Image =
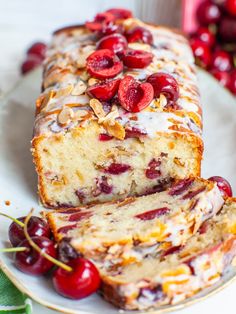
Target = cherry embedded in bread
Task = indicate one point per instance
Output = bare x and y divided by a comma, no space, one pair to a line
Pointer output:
79,283
120,13
36,227
137,58
208,13
38,49
104,64
117,168
100,20
30,63
165,84
201,53
103,137
32,262
134,96
222,76
134,133
139,34
152,214
221,60
153,170
116,42
206,36
104,91
223,185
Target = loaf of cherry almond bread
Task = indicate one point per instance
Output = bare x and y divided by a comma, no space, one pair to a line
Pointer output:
124,232
175,272
118,116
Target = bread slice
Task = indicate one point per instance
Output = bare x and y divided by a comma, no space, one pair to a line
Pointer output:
179,272
127,231
98,153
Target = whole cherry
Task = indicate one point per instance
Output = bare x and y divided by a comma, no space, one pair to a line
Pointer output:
79,283
136,58
30,63
120,13
36,227
32,262
201,52
115,42
139,34
164,83
223,185
230,6
206,36
221,60
38,49
208,13
222,76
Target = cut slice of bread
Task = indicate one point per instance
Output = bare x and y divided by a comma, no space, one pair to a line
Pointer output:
179,272
127,231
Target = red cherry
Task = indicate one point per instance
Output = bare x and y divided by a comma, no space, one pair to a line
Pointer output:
223,185
100,20
153,214
79,283
208,13
206,36
120,13
230,6
232,83
139,34
104,64
221,60
36,227
227,29
38,49
222,77
103,137
153,171
116,169
30,63
134,96
137,58
32,262
166,84
104,91
201,53
116,42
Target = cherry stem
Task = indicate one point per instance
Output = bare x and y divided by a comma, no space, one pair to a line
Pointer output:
13,249
39,250
12,218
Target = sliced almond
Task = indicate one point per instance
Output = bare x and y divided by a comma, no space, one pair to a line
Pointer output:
80,115
84,76
65,116
79,89
162,100
97,107
111,116
64,91
92,81
47,98
116,129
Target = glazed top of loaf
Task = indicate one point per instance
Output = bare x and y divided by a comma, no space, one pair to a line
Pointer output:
64,104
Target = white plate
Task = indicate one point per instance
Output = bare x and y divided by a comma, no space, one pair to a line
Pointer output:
18,179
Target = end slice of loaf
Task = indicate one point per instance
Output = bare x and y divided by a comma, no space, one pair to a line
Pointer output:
127,231
179,272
